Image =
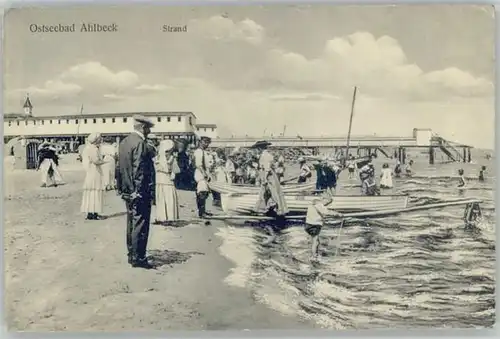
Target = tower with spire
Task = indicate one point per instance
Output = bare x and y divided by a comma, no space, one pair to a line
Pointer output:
28,107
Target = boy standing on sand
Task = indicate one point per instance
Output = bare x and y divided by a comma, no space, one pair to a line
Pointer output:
316,213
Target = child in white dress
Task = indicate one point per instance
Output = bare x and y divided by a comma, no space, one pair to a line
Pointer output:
386,177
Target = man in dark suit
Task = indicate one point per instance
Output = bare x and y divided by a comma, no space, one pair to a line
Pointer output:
135,183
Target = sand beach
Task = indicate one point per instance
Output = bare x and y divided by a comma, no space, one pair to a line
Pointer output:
67,274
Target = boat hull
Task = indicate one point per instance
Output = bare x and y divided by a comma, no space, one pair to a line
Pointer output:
223,187
298,204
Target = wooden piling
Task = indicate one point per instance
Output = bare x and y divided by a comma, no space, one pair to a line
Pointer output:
465,154
431,155
469,159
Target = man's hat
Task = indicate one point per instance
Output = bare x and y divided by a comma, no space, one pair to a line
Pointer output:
205,138
261,144
139,119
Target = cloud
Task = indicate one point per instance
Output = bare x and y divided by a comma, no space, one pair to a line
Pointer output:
240,55
53,90
224,29
90,81
378,66
236,55
303,97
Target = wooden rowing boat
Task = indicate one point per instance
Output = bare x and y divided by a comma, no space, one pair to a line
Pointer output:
235,203
223,187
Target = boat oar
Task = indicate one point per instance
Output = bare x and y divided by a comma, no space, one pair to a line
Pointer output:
338,237
252,217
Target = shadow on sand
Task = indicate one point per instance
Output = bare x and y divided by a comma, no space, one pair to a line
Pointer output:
175,224
159,258
116,215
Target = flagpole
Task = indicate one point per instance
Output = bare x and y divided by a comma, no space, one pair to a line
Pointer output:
79,122
350,124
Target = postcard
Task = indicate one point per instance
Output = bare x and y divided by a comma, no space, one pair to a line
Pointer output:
249,167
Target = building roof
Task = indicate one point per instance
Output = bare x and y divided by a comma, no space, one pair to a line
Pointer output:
10,116
206,125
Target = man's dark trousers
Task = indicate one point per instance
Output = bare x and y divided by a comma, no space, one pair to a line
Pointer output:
138,218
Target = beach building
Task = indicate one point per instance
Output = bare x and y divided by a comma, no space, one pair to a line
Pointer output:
207,130
76,127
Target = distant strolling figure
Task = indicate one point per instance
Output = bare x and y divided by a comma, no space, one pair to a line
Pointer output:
201,176
408,169
481,174
326,176
305,171
167,206
109,153
230,170
397,169
48,165
368,184
184,179
280,168
239,175
462,183
315,218
253,173
271,197
351,167
220,172
93,185
386,177
331,172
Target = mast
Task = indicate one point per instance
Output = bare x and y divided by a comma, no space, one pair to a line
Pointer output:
79,122
350,123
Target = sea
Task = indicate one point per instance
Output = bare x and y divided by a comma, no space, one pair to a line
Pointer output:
414,270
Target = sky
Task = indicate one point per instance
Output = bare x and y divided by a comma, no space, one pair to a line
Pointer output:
265,70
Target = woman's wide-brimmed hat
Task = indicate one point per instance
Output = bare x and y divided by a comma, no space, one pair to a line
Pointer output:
94,137
261,144
165,146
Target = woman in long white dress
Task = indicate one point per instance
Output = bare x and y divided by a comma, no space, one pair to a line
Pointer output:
93,188
167,206
108,152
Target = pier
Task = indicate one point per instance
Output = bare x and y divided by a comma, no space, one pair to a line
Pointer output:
390,146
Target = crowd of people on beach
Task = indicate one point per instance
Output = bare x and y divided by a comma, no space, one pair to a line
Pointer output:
146,170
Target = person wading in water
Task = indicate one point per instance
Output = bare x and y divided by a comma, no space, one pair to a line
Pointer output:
315,218
271,201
